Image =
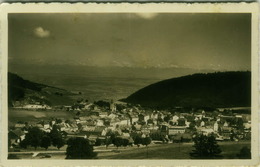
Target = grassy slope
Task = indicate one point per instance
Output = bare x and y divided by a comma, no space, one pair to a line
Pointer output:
20,89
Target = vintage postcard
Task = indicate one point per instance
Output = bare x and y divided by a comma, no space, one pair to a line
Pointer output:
128,84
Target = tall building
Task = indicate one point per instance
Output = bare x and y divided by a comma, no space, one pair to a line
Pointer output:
112,106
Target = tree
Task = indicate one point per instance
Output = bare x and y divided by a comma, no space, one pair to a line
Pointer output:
79,148
167,118
245,153
58,142
125,142
102,103
205,147
67,121
108,141
33,137
98,142
192,126
45,142
138,141
146,141
118,142
9,142
240,124
58,121
181,122
78,113
56,137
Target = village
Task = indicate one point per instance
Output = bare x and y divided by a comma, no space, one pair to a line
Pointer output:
97,121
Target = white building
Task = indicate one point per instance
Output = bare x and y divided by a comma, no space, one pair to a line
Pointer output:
215,127
202,123
175,119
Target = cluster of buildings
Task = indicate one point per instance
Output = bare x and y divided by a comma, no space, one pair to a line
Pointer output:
98,122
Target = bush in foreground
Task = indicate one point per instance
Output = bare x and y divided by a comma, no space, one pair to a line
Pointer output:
205,147
79,148
245,153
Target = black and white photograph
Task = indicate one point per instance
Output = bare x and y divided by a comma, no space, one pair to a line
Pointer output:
130,85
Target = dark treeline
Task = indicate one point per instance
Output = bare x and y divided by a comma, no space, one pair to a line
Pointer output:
212,90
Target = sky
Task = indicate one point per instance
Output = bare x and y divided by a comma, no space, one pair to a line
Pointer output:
158,40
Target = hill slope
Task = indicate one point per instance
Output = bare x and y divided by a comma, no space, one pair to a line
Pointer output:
27,92
222,89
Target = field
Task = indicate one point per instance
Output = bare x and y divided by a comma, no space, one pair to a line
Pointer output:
154,151
15,115
172,151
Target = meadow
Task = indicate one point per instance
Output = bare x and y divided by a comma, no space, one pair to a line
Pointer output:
176,151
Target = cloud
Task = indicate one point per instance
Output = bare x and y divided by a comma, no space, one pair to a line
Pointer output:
41,33
147,15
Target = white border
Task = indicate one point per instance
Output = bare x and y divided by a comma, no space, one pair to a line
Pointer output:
125,8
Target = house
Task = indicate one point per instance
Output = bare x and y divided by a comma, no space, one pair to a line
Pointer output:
177,138
172,130
16,136
137,127
63,127
181,122
103,114
46,126
154,115
36,106
226,124
100,122
226,132
198,116
247,125
90,122
140,117
147,117
175,120
125,122
126,134
186,137
88,128
206,119
150,122
112,116
94,130
134,119
39,126
19,125
53,122
182,137
92,137
202,123
115,121
145,131
84,118
205,130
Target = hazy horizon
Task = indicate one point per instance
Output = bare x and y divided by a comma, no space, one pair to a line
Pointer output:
100,83
112,55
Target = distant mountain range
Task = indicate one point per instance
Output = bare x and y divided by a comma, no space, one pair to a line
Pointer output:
21,92
220,89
